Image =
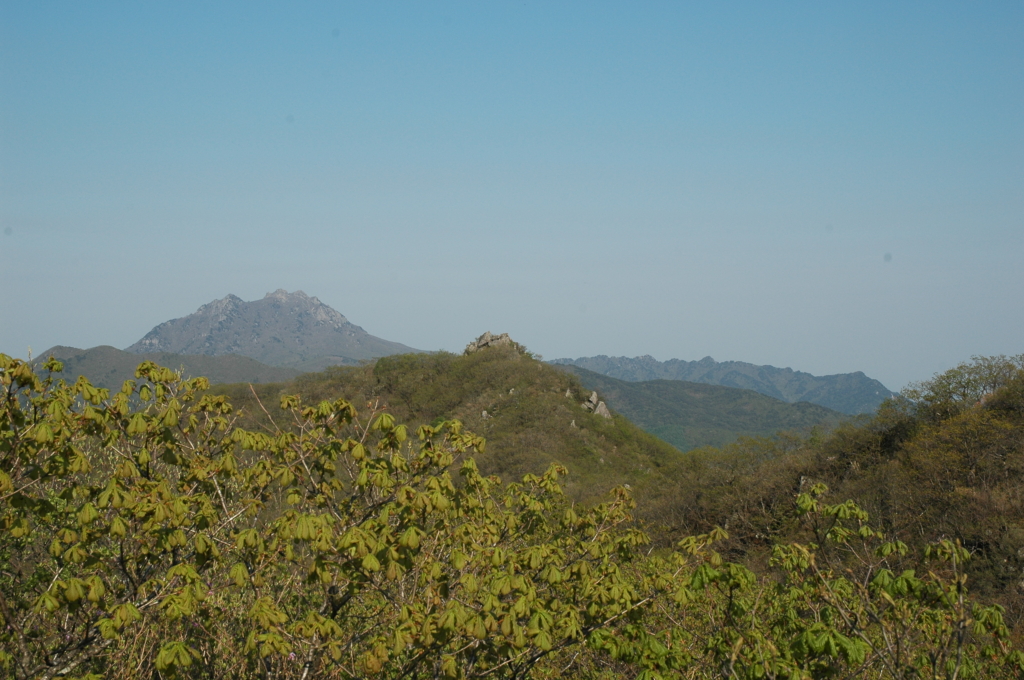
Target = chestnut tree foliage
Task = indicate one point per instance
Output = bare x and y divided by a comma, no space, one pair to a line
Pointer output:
145,533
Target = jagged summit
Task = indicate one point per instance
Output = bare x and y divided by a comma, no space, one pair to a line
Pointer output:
281,329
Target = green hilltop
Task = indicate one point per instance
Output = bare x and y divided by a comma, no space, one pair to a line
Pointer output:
533,414
530,413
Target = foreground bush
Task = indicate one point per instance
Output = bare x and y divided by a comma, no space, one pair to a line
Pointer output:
145,534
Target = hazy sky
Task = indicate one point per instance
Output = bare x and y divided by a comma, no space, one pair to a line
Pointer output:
827,186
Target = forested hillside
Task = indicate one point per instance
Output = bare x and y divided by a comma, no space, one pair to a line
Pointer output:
530,414
945,460
746,486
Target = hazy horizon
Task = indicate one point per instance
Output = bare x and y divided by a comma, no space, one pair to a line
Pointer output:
827,188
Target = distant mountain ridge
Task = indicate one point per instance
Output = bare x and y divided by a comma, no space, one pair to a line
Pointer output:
109,367
850,393
282,329
689,415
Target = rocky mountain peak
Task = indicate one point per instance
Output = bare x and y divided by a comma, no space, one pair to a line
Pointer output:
283,295
300,303
281,329
223,306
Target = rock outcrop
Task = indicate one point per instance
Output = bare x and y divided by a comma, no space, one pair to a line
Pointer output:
489,340
596,406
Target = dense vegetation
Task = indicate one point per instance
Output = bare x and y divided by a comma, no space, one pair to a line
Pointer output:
945,460
942,461
148,533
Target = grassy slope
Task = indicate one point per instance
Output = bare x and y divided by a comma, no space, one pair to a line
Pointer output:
109,367
690,415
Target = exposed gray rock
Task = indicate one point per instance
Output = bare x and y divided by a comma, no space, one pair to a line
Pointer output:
595,405
489,340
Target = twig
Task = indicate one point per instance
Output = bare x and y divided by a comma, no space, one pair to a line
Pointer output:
270,417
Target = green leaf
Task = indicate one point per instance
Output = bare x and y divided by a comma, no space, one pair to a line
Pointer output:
239,574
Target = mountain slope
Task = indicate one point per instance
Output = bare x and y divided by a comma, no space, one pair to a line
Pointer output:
282,329
850,393
109,367
689,415
518,403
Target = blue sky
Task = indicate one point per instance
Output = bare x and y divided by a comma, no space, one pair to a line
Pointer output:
822,186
